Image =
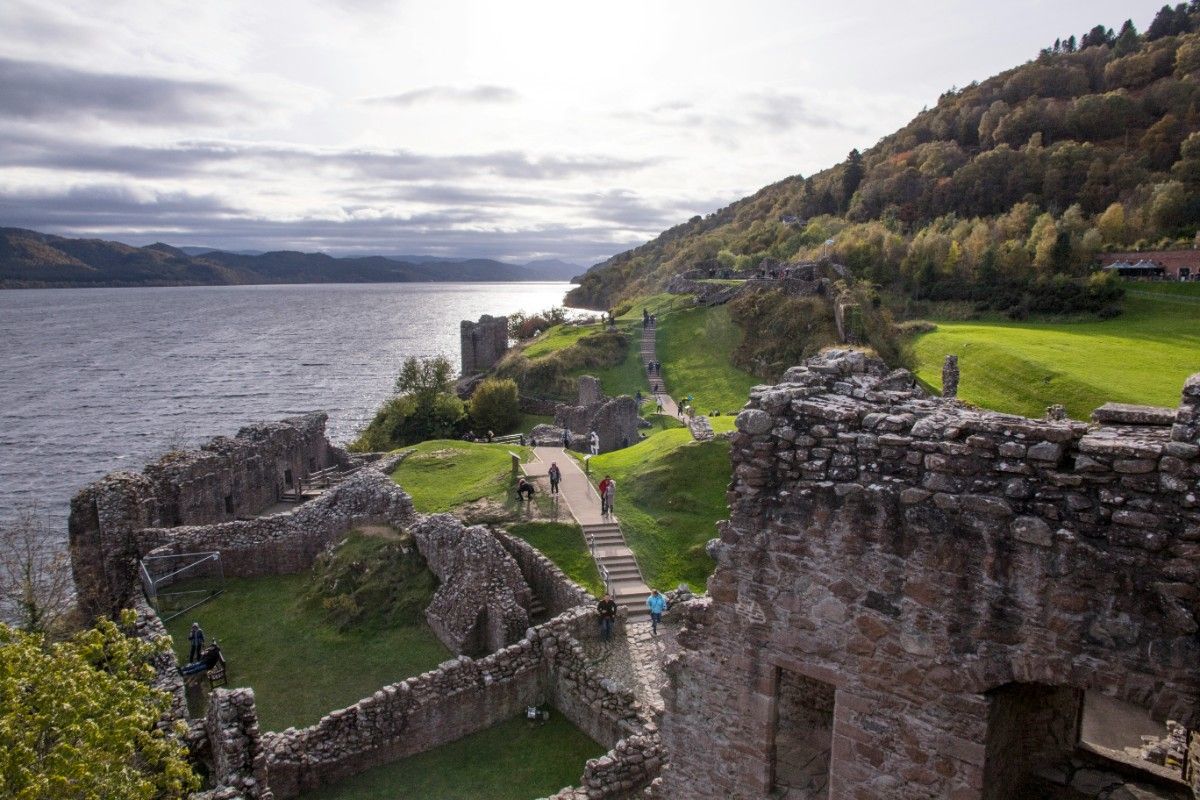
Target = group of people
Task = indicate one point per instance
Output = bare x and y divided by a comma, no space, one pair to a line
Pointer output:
608,494
656,604
648,320
200,658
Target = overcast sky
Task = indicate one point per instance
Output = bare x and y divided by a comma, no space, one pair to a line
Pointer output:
510,129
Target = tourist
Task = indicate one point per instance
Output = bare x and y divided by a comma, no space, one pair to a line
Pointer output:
608,494
566,439
594,443
638,398
657,604
658,403
196,638
205,662
490,436
608,614
555,476
524,490
603,490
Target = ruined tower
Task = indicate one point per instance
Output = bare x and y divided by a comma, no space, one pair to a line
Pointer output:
483,343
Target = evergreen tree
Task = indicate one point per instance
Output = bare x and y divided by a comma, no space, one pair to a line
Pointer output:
851,177
1127,39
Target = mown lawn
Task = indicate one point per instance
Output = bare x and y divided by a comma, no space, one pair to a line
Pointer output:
694,347
443,474
1142,356
670,494
508,761
558,337
564,545
299,665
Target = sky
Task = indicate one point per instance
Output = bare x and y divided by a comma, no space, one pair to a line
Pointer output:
516,130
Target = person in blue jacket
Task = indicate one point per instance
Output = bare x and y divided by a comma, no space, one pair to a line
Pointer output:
657,605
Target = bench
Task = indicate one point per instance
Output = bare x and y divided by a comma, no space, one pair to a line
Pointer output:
509,438
218,675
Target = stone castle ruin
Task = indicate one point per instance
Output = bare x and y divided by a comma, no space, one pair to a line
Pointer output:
488,582
483,344
914,598
615,420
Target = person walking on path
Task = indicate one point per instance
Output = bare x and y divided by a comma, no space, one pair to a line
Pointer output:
196,638
566,439
608,615
608,489
657,604
608,493
555,475
594,443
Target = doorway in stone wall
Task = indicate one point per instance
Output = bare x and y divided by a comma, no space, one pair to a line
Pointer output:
803,737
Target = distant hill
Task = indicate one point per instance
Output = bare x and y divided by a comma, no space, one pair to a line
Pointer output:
1002,194
29,259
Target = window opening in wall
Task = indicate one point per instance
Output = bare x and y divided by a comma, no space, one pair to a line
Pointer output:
803,737
228,504
287,477
312,465
1125,733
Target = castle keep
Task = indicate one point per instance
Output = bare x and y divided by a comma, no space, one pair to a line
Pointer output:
912,597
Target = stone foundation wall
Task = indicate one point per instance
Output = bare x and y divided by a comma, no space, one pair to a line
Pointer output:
225,479
239,760
917,555
460,697
615,421
558,593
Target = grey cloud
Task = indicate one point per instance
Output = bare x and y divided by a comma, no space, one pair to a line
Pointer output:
39,90
25,149
447,94
778,111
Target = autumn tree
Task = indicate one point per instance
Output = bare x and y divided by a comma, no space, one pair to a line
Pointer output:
35,574
80,718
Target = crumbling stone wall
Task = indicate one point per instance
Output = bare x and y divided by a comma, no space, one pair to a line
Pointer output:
614,420
458,698
226,479
484,343
917,556
557,592
239,758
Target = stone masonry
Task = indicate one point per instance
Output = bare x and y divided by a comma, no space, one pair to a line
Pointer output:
615,420
483,343
953,579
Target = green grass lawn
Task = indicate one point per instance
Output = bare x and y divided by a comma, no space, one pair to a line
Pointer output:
558,337
564,545
695,347
670,493
300,666
530,421
443,473
508,761
627,377
1142,356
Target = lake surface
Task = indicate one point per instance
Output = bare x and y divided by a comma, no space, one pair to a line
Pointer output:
96,380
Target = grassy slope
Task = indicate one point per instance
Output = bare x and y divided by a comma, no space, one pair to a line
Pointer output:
670,493
695,347
299,666
1142,356
558,337
564,545
509,761
443,473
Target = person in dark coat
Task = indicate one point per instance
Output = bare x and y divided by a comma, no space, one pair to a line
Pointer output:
555,475
607,609
196,639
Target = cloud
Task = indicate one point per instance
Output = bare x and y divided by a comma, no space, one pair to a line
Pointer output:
471,95
778,112
38,90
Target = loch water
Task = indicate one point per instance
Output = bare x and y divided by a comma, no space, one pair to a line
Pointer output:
96,380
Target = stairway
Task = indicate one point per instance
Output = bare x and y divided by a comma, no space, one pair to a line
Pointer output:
616,560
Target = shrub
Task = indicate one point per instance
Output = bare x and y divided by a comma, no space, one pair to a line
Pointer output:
495,406
406,420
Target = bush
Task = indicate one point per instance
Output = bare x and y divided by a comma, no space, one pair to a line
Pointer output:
406,420
495,406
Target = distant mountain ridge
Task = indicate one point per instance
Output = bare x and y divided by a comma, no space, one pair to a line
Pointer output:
29,259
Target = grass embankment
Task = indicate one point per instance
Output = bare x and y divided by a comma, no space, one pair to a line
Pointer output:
564,545
670,493
443,474
300,665
1142,356
509,761
695,347
558,337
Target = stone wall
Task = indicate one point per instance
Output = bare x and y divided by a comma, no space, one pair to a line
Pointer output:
614,420
926,560
458,698
226,479
557,592
239,758
484,343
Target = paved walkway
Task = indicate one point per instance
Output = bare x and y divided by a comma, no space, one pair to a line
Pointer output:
657,389
636,659
603,534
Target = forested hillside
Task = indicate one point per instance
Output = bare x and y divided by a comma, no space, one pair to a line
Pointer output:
1003,193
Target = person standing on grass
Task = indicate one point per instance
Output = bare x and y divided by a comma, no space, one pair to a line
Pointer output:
196,638
594,442
608,615
609,495
657,604
555,476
